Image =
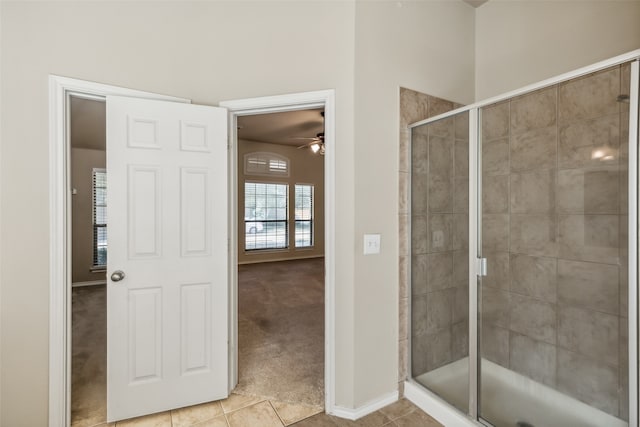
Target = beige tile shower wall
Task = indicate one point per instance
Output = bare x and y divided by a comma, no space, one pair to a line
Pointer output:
554,232
439,202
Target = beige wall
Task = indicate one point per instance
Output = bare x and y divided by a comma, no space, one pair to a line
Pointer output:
206,51
523,42
83,161
214,51
428,47
304,168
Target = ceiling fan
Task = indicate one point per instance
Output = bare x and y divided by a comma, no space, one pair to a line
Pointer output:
316,143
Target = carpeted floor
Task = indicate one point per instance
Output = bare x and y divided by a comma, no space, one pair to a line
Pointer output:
281,339
89,356
281,331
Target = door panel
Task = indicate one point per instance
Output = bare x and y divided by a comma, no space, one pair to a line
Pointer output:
167,319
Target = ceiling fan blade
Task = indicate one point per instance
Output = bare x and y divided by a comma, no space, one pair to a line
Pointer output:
303,137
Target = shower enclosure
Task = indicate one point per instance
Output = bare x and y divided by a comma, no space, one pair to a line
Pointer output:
523,237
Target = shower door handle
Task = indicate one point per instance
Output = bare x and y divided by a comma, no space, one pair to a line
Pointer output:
481,267
117,276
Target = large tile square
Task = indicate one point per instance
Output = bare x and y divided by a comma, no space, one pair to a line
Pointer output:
594,383
589,285
238,401
534,318
185,417
589,191
591,96
495,157
534,276
495,232
291,413
495,121
534,235
495,194
590,333
534,110
162,419
589,238
534,192
534,149
532,358
586,143
261,414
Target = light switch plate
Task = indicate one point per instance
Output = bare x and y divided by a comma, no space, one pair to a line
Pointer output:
371,244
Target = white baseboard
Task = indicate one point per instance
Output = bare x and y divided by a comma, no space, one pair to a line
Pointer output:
285,258
366,409
89,283
433,405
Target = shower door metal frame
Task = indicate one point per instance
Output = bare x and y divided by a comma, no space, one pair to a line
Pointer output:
475,170
632,363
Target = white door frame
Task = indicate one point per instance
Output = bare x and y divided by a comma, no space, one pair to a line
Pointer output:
60,88
273,104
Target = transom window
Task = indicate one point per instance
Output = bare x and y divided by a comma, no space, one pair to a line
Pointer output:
267,164
265,216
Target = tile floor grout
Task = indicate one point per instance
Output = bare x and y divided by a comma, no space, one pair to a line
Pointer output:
402,413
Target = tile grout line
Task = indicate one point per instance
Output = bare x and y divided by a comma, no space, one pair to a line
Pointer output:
276,412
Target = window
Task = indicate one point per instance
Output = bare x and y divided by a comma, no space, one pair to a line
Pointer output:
304,215
267,164
265,216
99,217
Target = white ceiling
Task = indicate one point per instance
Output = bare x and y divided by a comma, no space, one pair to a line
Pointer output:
286,128
88,124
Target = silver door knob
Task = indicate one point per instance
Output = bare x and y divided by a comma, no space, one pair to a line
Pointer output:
117,275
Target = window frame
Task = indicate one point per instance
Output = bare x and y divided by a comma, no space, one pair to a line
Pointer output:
95,266
311,220
286,219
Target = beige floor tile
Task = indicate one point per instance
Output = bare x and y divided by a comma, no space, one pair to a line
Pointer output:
95,420
191,415
320,420
220,421
261,414
162,419
291,413
416,419
398,409
238,401
376,419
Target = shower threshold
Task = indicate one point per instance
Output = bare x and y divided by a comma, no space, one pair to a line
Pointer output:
510,399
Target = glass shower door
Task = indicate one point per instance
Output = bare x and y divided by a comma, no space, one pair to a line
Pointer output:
440,257
552,310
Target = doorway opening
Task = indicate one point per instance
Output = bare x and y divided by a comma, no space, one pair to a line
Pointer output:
87,139
280,206
60,350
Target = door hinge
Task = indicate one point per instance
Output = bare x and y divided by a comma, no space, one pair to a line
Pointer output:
481,267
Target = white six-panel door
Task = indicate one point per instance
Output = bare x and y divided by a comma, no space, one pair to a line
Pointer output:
167,231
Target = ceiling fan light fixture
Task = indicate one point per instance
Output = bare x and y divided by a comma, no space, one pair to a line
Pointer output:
315,147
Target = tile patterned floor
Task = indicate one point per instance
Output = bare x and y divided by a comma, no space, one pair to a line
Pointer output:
246,411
